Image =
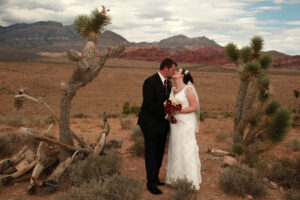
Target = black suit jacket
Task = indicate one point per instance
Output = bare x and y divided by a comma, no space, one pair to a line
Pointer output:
152,115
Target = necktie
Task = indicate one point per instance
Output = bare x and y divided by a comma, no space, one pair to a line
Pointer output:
165,84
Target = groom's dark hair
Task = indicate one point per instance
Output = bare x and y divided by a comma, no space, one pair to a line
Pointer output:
187,76
167,62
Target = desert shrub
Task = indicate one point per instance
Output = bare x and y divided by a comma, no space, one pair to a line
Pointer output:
126,123
286,172
14,120
185,190
138,147
10,142
203,115
250,156
221,136
293,144
135,110
238,148
228,115
292,194
5,147
94,168
126,108
80,115
112,115
242,181
50,120
136,132
115,187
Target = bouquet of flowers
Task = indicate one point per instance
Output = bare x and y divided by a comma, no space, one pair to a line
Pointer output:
171,105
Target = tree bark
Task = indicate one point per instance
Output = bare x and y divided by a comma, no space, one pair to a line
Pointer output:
238,113
100,146
84,72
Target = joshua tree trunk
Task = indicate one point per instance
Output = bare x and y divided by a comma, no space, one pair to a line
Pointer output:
238,113
64,129
84,72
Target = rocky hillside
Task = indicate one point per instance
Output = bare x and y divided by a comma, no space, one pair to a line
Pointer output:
27,41
49,36
202,55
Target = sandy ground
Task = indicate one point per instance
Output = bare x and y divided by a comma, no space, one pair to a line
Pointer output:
134,166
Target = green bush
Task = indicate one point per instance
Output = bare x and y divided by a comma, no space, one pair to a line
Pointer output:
238,148
135,110
185,190
203,115
242,181
126,108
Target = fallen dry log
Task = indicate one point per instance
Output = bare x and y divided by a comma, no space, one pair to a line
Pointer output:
100,145
7,163
4,179
52,141
22,95
51,183
46,156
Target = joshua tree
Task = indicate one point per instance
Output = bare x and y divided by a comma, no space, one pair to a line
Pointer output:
257,118
87,68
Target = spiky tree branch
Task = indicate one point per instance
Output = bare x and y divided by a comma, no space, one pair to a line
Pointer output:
267,122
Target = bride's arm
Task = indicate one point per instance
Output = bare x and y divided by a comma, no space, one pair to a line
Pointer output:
192,101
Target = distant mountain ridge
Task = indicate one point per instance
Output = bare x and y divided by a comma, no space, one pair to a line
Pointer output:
28,40
49,36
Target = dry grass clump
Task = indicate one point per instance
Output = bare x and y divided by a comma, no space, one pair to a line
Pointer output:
4,146
138,146
242,181
293,194
14,120
185,190
10,142
293,144
221,136
116,188
126,123
97,168
286,173
80,115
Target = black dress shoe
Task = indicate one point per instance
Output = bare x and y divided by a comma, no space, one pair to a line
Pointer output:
159,182
153,189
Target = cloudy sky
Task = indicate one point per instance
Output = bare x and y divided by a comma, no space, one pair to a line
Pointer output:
277,21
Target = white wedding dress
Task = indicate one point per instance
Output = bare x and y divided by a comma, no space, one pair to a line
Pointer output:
183,151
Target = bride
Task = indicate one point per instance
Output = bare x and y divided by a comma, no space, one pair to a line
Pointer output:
183,152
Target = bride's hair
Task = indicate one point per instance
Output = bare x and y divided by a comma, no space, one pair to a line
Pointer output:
187,76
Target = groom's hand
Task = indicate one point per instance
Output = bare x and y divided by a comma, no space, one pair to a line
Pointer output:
168,117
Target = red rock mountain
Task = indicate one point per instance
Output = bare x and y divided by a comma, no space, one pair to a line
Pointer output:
25,41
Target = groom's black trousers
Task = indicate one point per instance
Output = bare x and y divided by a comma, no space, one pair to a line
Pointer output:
154,151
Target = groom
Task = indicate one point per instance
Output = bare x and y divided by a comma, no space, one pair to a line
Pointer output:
156,90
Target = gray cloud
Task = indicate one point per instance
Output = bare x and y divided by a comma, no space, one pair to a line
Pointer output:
224,21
